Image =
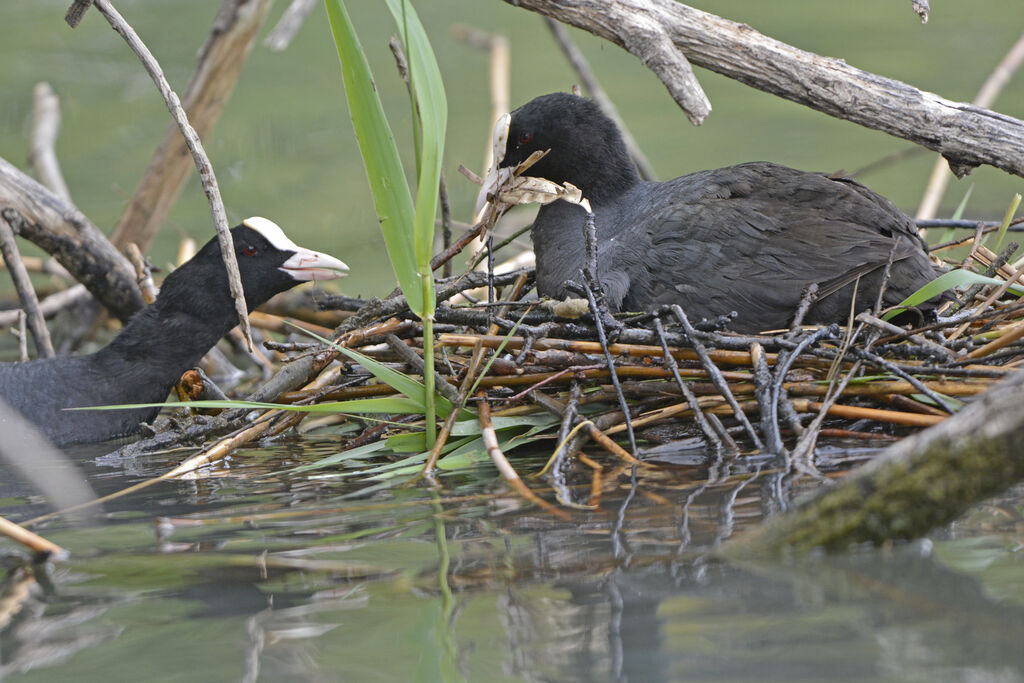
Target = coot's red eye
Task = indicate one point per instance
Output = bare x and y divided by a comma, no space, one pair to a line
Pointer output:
249,250
525,137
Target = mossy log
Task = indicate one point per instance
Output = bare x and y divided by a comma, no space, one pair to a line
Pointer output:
915,485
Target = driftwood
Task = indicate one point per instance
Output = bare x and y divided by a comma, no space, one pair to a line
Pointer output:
917,484
965,134
220,63
60,229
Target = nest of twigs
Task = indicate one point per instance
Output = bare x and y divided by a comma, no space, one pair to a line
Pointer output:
653,386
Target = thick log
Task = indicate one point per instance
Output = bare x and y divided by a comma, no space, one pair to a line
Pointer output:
60,229
966,135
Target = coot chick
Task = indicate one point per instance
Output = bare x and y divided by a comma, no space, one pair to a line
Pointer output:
193,311
747,238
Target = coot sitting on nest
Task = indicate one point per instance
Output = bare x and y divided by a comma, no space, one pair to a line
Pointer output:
747,238
193,311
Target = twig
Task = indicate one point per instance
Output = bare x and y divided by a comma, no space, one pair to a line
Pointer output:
22,283
45,128
220,62
33,542
715,374
597,312
686,391
990,89
195,145
281,36
508,473
413,360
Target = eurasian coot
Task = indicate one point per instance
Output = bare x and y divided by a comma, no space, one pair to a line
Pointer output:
141,365
747,238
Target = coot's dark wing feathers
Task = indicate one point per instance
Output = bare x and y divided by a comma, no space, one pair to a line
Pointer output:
737,242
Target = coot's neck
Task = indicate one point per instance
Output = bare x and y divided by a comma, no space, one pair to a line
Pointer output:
168,337
603,173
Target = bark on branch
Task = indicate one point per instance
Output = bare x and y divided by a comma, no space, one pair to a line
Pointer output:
965,134
63,231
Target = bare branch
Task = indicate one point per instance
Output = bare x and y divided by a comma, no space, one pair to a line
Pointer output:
75,13
45,127
965,134
195,145
990,89
220,63
60,229
281,36
22,283
921,8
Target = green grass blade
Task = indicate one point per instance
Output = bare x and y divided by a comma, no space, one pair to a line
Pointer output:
429,98
394,379
1004,226
380,156
386,404
947,281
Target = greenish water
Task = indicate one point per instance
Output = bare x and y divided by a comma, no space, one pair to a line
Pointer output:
286,577
257,576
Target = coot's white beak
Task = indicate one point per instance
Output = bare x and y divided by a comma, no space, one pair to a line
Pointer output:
495,175
305,265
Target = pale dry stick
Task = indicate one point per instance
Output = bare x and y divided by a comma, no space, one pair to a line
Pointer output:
27,294
498,50
45,127
32,541
990,299
65,298
22,335
993,85
598,94
216,452
281,36
143,273
195,145
921,9
218,66
1010,334
508,473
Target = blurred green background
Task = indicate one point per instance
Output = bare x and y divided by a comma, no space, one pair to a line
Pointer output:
284,147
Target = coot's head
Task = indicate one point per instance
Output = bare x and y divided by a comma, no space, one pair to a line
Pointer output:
586,148
268,261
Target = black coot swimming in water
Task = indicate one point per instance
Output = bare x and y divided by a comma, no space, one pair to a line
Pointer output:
193,311
747,238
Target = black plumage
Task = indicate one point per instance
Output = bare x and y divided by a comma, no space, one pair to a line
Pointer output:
193,311
747,238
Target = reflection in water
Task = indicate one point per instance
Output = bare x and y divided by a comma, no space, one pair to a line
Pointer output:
280,577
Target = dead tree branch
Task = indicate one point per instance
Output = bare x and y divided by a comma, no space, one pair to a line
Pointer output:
61,230
208,91
45,127
22,283
195,145
965,134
